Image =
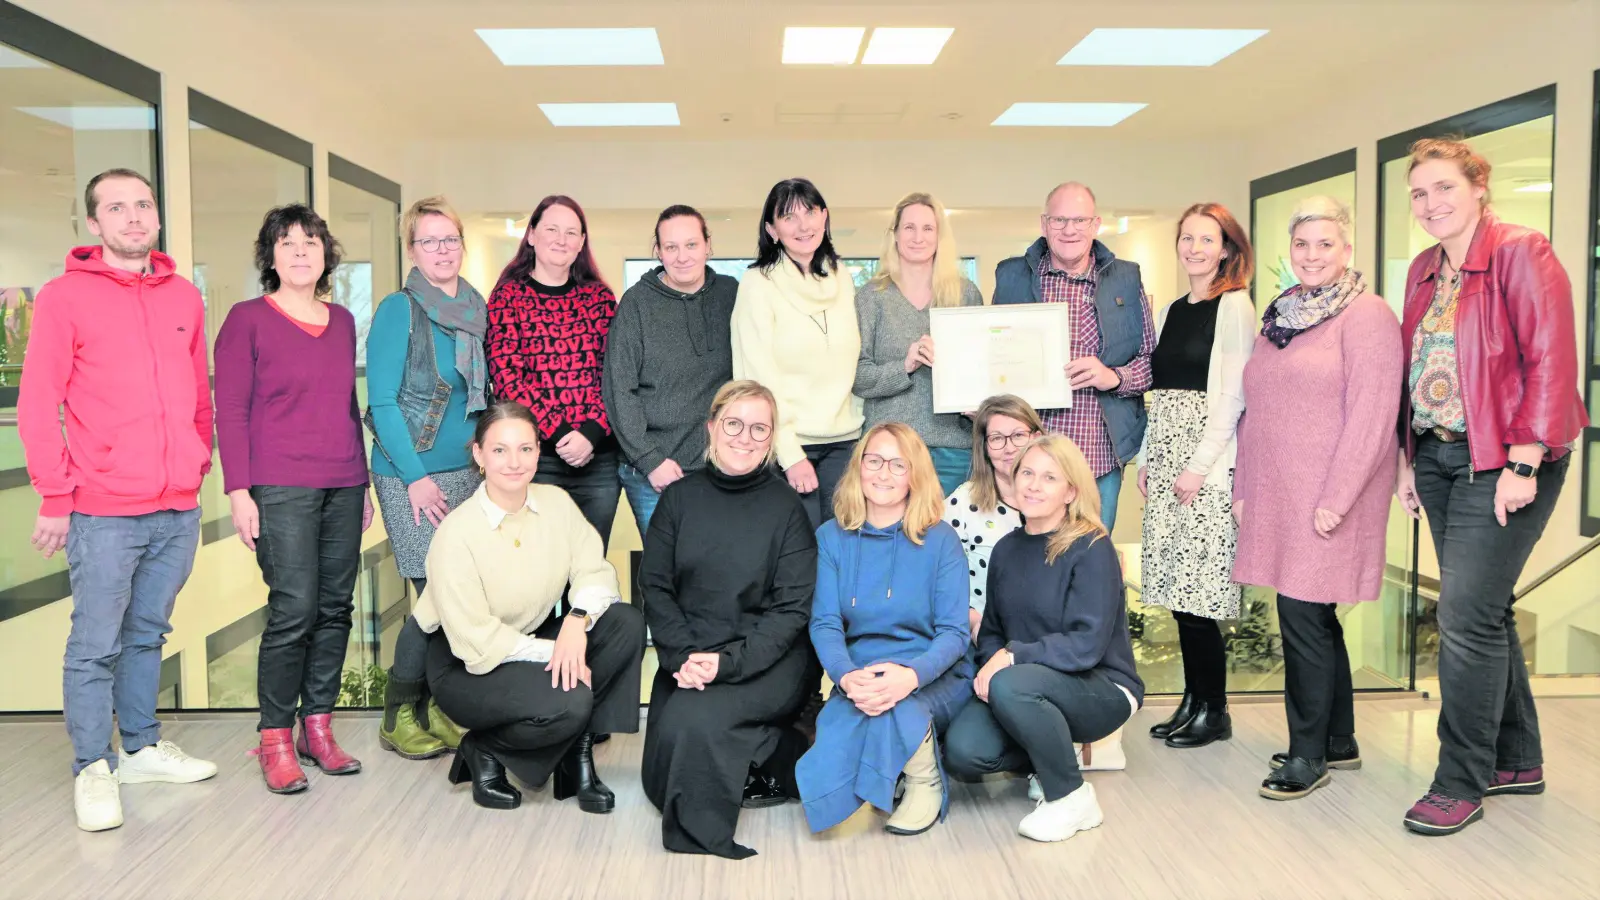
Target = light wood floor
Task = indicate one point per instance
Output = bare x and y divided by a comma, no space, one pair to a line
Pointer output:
1178,824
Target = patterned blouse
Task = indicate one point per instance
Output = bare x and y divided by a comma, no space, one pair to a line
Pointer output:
1434,377
978,531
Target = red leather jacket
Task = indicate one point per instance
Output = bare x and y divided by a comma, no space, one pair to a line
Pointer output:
1516,349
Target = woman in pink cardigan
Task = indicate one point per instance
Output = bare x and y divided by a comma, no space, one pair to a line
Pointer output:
1312,484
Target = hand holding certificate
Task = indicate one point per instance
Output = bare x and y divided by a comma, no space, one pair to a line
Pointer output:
987,350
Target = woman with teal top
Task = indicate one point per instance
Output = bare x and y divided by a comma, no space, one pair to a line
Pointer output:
426,382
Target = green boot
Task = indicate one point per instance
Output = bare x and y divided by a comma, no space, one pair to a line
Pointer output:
400,731
437,724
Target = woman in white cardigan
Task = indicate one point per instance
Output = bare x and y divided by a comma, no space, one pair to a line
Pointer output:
1186,463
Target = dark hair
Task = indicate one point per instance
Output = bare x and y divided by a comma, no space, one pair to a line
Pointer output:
91,204
1234,272
673,212
499,411
584,269
784,197
276,226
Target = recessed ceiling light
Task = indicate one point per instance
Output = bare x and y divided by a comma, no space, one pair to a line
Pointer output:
1543,187
1090,115
821,46
905,46
96,118
1158,46
606,115
11,59
574,46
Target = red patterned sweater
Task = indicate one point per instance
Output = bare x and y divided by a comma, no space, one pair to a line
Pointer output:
546,348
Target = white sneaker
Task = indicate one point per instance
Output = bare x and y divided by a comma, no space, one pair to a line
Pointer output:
162,761
1104,755
96,798
1057,820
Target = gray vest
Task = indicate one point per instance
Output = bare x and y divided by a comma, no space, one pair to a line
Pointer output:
423,394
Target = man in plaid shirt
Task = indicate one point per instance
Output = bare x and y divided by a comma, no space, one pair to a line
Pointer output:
1112,333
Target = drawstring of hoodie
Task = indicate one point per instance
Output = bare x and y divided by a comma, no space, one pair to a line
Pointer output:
855,574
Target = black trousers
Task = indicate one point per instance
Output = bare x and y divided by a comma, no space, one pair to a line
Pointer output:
1034,716
830,461
1317,693
1487,719
310,554
594,487
1205,657
514,713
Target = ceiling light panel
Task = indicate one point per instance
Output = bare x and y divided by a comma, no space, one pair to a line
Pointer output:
610,115
821,46
1159,46
574,46
96,118
1065,115
905,46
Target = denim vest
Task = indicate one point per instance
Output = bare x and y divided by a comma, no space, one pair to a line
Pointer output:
423,395
1118,305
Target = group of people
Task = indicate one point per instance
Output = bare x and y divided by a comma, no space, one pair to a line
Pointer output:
808,520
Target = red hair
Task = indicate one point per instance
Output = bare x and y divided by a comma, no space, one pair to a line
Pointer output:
1235,271
584,269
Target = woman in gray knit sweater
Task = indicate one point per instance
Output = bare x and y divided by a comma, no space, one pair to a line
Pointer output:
919,269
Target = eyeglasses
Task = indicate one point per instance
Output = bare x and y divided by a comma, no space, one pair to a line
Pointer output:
432,245
1018,440
872,462
1076,223
759,431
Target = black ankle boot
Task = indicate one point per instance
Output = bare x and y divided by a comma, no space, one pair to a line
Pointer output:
1211,722
1343,753
575,777
1298,777
1185,712
762,790
488,776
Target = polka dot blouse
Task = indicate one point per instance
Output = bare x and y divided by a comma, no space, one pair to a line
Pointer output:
979,531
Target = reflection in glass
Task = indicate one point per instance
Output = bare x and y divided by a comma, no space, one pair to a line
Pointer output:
367,227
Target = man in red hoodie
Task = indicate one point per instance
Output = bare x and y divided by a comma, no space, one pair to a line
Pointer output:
118,353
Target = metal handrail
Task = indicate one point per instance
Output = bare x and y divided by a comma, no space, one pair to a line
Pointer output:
8,420
1560,567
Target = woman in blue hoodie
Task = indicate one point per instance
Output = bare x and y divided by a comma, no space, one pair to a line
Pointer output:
889,624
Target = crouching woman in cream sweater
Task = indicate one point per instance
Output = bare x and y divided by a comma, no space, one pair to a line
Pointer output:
531,686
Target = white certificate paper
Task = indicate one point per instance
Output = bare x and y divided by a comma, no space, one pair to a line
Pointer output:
1020,349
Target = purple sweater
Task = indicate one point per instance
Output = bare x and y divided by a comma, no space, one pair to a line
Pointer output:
286,401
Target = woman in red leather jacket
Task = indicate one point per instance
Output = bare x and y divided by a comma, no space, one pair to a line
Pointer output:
1491,410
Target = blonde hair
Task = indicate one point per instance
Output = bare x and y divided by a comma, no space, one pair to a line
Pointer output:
985,492
1083,510
1473,165
732,393
1322,208
947,280
924,503
430,206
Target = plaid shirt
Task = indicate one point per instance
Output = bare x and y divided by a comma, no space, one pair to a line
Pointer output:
1083,422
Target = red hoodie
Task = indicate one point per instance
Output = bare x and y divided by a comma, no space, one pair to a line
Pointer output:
126,355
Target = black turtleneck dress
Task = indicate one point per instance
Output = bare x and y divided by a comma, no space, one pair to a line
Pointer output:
729,566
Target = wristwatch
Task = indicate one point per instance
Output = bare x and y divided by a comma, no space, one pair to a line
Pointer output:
577,613
1522,470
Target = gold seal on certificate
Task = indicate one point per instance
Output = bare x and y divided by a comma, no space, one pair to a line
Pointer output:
1020,349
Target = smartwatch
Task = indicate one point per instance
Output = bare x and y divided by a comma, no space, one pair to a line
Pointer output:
575,612
1522,470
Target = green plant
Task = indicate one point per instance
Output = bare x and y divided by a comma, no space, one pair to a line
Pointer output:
1251,644
1283,275
363,687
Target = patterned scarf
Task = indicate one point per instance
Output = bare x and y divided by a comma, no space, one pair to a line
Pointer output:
464,314
1300,308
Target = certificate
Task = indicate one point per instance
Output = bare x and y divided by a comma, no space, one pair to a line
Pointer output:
1020,349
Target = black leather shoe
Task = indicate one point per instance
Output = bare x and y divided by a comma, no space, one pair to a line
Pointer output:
1185,712
575,777
1211,722
490,788
762,790
1343,753
1297,778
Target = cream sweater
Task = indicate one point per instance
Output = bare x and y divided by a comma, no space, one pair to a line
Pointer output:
797,334
494,577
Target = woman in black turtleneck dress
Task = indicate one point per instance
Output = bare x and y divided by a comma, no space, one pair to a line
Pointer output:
729,565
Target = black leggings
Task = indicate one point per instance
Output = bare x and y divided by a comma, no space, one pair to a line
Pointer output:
1205,658
411,647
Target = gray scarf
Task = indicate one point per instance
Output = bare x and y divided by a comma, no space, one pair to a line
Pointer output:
1300,307
464,314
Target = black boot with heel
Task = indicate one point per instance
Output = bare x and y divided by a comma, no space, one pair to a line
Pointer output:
1179,718
1210,722
488,776
575,777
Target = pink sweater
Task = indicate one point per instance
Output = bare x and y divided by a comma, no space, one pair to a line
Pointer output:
1318,432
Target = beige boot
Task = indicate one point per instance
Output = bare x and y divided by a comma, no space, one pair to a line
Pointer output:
919,806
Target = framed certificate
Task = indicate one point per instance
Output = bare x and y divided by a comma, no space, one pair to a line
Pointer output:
1020,349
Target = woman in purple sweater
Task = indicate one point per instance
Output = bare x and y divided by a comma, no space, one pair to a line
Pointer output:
1312,482
296,476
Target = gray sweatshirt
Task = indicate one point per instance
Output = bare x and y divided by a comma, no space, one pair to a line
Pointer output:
666,356
889,325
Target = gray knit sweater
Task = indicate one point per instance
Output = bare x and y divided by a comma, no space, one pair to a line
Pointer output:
889,325
666,356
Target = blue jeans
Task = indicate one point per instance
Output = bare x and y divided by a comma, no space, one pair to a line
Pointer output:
1110,485
953,466
126,572
642,498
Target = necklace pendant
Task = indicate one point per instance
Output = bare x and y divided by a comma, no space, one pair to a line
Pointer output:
516,542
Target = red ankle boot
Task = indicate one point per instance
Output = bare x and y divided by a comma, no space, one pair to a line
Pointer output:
316,745
278,765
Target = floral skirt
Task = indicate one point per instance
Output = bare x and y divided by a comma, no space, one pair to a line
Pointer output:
1187,558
